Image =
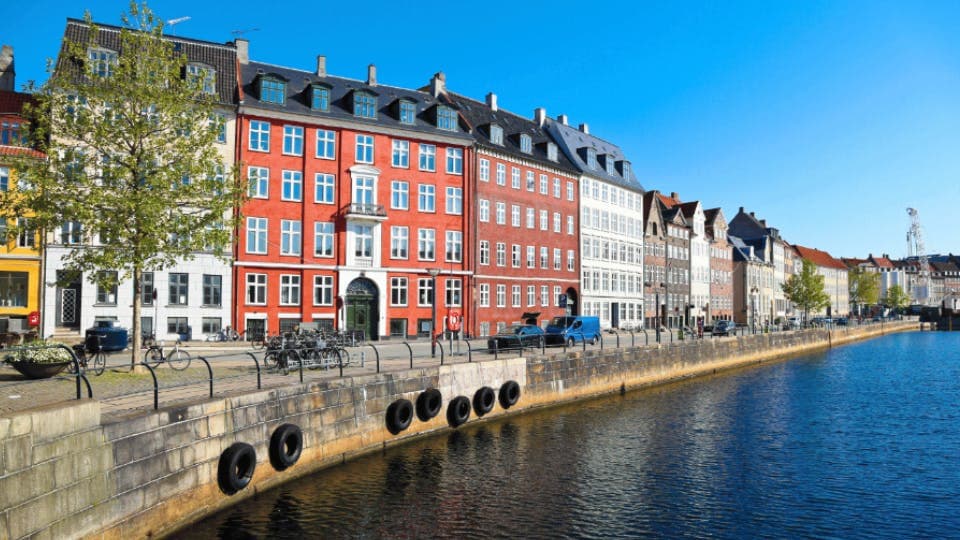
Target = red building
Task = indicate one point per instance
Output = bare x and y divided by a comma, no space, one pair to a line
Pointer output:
721,267
357,202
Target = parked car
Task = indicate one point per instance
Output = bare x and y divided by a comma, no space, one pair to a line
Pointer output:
573,329
841,321
516,336
724,328
792,323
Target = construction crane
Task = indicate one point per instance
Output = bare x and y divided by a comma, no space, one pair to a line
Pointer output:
173,22
916,249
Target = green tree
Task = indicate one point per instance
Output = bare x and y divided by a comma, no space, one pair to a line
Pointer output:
896,297
131,157
864,287
806,290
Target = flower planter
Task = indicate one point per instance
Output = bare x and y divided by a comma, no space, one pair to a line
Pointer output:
36,370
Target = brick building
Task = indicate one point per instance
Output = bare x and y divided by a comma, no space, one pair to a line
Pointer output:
721,267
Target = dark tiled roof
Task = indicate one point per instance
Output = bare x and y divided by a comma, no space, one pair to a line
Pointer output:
741,251
221,57
689,209
572,141
819,258
13,102
854,263
298,98
945,267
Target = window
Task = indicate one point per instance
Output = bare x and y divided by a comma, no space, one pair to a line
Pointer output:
515,256
256,289
364,152
531,181
426,200
484,295
259,136
455,200
426,244
557,258
526,144
364,105
323,239
178,289
177,325
543,220
4,178
484,212
212,290
292,187
531,218
544,184
531,257
363,190
27,238
556,222
591,158
496,134
501,254
146,289
515,296
454,161
544,295
323,290
323,188
428,157
399,195
453,289
293,140
401,154
556,296
501,213
446,118
454,252
102,62
570,227
544,256
408,112
363,241
70,233
484,252
289,290
289,237
319,98
425,292
531,295
399,242
326,144
569,190
501,296
514,178
515,215
107,288
556,188
272,90
484,170
398,291
551,152
257,235
501,174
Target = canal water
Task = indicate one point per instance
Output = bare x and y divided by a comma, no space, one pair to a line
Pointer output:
862,441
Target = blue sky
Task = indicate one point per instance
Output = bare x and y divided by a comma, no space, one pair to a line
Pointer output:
827,118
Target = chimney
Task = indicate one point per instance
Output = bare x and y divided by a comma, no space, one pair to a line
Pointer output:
752,215
563,119
492,101
741,209
372,75
243,50
540,116
675,195
585,128
8,74
321,65
763,222
438,84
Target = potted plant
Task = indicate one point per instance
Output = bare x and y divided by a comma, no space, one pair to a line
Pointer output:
39,360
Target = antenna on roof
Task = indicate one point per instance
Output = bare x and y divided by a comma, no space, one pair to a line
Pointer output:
239,33
173,22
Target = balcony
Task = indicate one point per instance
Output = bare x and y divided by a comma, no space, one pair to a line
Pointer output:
365,212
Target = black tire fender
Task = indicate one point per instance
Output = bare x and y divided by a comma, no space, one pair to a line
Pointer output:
399,415
458,411
236,467
509,394
484,400
429,404
286,445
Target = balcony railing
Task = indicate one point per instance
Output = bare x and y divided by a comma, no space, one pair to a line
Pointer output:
367,210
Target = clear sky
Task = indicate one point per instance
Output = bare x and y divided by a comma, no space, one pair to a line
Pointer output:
827,118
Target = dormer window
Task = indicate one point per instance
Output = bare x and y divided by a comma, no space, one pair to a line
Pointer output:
496,134
526,144
446,118
102,62
408,112
206,76
610,169
364,105
625,169
591,158
551,152
272,90
319,98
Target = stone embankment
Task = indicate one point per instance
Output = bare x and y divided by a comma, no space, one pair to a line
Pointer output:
66,473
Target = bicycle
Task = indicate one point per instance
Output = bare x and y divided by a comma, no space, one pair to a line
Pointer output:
84,353
226,334
256,338
178,359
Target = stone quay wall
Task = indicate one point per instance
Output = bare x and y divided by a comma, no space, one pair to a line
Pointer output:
65,472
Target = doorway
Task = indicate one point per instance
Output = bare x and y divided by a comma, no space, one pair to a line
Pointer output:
363,299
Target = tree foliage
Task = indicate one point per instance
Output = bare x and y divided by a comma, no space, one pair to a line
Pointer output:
864,287
806,290
896,297
131,155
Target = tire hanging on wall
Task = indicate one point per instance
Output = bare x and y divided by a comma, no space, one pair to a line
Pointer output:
399,415
458,411
429,404
509,394
236,467
484,400
286,444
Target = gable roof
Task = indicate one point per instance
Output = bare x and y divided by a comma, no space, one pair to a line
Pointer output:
13,102
18,151
880,262
571,140
819,258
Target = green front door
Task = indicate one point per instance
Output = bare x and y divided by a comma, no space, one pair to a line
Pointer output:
361,311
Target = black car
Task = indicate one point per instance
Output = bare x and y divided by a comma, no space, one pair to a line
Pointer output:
724,328
516,336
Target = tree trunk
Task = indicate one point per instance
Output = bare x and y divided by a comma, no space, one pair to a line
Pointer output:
135,327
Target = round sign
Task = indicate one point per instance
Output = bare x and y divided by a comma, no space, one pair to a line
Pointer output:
33,319
454,319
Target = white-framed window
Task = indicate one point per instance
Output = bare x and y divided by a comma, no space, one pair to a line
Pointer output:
259,179
427,198
101,62
398,291
544,295
557,258
292,186
399,242
428,157
364,105
71,232
557,190
401,154
257,235
4,177
484,211
592,158
272,90
501,213
531,181
484,252
515,177
319,98
446,118
426,244
531,295
364,190
515,295
326,144
556,296
531,218
484,292
454,161
364,152
544,257
323,191
323,290
551,152
454,200
408,112
289,290
256,289
515,215
453,290
399,195
501,295
425,292
571,260
501,254
485,173
206,76
570,227
290,237
293,140
556,222
544,184
496,134
363,241
323,239
526,144
501,174
259,136
454,246
544,218
515,255
570,190
531,257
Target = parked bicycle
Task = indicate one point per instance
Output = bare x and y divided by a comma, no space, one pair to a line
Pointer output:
224,334
178,359
90,353
256,338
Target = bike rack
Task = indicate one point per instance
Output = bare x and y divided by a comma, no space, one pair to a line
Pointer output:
256,363
209,372
410,350
79,373
469,351
440,346
156,386
377,353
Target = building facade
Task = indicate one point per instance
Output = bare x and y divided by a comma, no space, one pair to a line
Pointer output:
835,280
720,307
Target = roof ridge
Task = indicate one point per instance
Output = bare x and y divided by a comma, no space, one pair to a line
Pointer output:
117,28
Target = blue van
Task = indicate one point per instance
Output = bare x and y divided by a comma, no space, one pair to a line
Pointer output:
574,329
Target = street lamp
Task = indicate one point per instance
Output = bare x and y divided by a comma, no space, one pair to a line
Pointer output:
656,319
433,310
753,309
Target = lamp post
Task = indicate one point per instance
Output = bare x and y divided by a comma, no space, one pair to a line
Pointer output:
433,310
753,308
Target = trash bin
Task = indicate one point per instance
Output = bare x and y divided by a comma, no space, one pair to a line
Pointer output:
112,337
